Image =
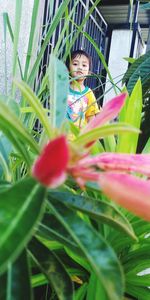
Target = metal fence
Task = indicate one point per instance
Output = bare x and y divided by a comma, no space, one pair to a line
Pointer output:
96,27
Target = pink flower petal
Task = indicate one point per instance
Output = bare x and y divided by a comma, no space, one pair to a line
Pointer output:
139,163
109,112
128,191
50,167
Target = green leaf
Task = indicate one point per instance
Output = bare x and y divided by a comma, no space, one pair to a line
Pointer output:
18,13
17,280
38,280
103,131
138,292
131,60
59,85
139,69
35,103
145,6
137,266
33,32
57,17
80,28
99,254
102,58
7,22
50,229
127,142
51,266
110,143
95,290
21,207
96,209
147,147
81,292
136,280
11,125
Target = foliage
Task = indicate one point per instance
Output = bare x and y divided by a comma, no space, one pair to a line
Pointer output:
140,69
66,243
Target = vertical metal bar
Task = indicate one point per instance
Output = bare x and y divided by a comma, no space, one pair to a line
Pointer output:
96,27
135,27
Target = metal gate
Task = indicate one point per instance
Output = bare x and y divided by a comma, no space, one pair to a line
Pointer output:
96,27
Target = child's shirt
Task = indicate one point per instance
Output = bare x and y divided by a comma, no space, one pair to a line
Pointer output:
81,106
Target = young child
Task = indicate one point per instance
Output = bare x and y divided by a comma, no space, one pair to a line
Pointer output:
82,104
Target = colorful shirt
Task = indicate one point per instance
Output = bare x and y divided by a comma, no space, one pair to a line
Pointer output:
81,106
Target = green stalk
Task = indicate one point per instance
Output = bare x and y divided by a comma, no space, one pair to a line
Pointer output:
31,37
80,28
50,32
18,12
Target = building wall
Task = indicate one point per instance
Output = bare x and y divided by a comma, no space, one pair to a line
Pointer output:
119,49
9,7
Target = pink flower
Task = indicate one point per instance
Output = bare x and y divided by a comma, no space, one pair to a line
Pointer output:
110,171
50,167
131,192
139,163
109,112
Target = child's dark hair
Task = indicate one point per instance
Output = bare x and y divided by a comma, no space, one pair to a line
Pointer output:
78,52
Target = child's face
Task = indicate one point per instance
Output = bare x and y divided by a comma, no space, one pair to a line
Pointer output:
79,66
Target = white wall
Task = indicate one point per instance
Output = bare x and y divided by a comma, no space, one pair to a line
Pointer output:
9,7
120,48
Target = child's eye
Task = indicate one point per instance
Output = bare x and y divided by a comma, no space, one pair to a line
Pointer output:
84,65
74,64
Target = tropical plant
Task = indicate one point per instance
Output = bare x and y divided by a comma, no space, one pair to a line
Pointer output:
140,69
61,237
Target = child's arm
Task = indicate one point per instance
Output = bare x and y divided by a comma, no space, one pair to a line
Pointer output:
93,108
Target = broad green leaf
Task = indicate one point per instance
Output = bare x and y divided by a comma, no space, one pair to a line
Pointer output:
58,83
53,269
139,69
127,143
17,280
50,229
96,209
21,207
103,131
99,254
